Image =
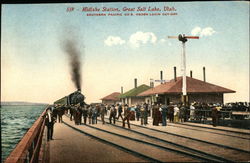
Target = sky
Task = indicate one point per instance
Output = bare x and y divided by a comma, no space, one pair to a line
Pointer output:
116,49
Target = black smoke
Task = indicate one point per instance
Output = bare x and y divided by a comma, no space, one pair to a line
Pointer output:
74,56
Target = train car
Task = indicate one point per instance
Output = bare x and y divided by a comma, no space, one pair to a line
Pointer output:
62,101
72,99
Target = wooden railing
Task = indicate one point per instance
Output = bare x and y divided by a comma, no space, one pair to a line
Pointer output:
32,147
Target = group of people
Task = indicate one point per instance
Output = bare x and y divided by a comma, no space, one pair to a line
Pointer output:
175,113
160,113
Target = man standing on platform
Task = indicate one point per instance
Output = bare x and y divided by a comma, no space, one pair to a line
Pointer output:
214,115
112,114
71,111
137,112
49,122
90,114
156,114
102,113
142,112
146,106
176,113
164,111
171,113
85,114
182,113
119,111
192,111
94,115
127,114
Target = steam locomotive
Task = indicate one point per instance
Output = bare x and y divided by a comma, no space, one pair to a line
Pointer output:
72,99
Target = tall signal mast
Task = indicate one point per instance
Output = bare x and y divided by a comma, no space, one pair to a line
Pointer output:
184,39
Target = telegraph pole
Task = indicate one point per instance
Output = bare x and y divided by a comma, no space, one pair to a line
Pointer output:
184,39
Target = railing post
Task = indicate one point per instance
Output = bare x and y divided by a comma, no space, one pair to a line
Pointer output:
27,159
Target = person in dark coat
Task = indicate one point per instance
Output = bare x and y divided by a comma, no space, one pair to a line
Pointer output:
79,114
119,112
171,113
61,111
182,113
164,111
127,114
102,113
142,112
214,115
94,115
145,105
85,114
71,111
156,115
90,114
137,112
49,122
112,114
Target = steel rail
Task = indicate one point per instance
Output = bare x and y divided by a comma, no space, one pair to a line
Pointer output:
177,145
238,132
203,141
200,156
145,157
208,131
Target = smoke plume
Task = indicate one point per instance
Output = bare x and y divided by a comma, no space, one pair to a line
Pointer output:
73,52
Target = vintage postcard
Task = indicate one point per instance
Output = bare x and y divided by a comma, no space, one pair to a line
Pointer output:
125,82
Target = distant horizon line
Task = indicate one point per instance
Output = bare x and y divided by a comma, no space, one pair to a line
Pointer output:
23,102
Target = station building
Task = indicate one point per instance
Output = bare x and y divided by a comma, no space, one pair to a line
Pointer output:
197,91
130,97
111,99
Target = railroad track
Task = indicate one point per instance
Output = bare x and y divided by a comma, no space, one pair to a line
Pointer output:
114,144
202,129
201,156
190,138
231,152
218,129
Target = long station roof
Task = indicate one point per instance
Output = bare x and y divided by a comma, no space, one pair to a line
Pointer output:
112,96
135,91
193,86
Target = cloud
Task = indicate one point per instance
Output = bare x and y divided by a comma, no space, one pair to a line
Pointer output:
139,38
208,31
114,40
162,40
196,31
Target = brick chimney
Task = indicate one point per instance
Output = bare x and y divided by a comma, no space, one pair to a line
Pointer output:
175,79
151,83
161,75
204,74
135,83
191,73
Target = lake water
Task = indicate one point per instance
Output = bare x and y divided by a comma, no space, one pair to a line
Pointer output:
15,122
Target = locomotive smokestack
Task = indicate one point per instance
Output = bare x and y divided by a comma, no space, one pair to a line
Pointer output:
135,83
204,74
191,74
175,74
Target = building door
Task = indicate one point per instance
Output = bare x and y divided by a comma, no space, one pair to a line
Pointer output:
168,101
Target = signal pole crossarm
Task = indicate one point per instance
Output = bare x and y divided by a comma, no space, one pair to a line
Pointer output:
183,39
